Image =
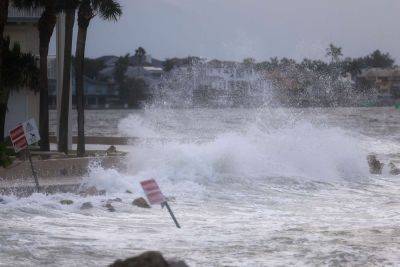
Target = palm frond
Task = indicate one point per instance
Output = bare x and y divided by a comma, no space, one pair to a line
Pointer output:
107,9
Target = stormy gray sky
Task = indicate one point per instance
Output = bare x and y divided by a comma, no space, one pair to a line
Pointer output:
235,29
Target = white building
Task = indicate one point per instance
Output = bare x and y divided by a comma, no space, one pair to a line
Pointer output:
22,28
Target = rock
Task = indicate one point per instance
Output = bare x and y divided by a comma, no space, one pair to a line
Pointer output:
66,202
375,166
141,202
109,207
147,259
111,150
128,191
114,200
86,206
393,169
2,201
177,264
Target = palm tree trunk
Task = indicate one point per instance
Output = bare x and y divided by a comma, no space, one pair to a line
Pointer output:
4,93
46,26
80,93
64,112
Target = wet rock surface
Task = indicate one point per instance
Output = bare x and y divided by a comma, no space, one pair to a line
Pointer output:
66,202
148,259
86,206
109,207
375,166
114,200
141,203
394,170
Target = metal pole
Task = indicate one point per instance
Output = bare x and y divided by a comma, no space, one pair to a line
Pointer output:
172,214
33,171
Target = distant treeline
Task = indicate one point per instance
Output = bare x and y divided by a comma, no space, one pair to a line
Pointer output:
308,82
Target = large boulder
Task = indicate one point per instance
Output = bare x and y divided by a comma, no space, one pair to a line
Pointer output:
141,203
148,259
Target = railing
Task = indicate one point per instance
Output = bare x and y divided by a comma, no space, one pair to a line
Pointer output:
23,15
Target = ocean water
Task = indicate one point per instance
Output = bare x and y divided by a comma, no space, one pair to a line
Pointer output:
251,187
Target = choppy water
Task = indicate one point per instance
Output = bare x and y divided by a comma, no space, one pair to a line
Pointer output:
268,187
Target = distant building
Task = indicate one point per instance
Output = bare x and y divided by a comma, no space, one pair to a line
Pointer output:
98,94
21,27
148,72
386,81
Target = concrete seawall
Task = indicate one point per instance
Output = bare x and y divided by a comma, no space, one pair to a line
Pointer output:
55,175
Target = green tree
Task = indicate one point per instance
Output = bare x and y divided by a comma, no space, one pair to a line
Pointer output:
18,70
169,64
249,61
136,89
121,67
88,9
377,59
334,52
93,67
140,56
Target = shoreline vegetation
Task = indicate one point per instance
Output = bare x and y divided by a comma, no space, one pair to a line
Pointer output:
136,81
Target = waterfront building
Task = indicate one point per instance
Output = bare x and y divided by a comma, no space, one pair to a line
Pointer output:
21,27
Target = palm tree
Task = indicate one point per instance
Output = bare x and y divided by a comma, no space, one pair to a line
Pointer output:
140,55
69,7
88,9
46,25
3,90
334,52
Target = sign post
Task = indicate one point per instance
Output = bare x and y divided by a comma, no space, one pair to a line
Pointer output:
22,136
154,195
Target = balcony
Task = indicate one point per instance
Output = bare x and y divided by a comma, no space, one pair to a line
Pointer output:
23,16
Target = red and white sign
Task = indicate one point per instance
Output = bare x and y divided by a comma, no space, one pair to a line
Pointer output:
24,134
153,192
18,138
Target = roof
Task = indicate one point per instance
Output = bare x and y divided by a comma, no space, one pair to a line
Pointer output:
380,72
23,15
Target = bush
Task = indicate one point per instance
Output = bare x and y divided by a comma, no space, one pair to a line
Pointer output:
6,155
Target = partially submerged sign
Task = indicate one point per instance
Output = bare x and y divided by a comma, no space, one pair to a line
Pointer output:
155,196
31,132
153,192
17,136
23,135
